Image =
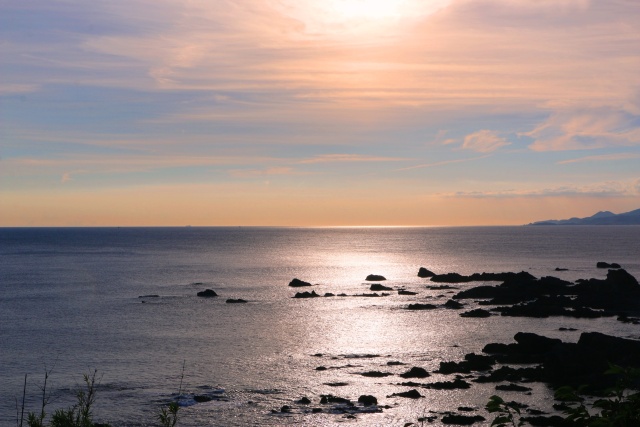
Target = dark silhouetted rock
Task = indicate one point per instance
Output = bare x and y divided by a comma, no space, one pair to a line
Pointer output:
405,292
454,368
462,420
375,278
561,269
449,385
542,421
441,287
304,401
453,304
507,373
236,301
379,287
375,374
373,295
421,307
472,362
367,400
321,368
415,372
411,394
202,398
207,293
423,272
395,363
337,384
533,343
311,294
297,283
512,387
482,277
478,312
450,278
602,264
329,294
327,398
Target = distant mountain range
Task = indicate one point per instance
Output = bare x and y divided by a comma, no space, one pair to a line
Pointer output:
601,218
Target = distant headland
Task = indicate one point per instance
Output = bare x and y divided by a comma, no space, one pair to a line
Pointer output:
601,218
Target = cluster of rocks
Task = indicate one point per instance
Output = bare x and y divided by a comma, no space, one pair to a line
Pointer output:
337,405
523,295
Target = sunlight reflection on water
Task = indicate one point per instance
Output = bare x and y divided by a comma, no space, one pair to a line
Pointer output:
86,291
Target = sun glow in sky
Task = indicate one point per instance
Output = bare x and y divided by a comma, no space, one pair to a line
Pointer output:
301,112
335,18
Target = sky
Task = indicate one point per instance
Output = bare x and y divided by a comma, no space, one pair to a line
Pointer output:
317,112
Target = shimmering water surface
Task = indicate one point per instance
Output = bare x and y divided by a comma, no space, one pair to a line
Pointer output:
70,303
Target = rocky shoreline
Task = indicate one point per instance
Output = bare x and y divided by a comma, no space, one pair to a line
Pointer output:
512,366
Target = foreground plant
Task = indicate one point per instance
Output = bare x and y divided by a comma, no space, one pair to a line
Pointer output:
78,415
168,416
620,407
508,412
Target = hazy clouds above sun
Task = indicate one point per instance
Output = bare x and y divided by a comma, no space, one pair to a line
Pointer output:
343,112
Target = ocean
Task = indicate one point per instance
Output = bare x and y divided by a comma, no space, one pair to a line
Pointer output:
123,301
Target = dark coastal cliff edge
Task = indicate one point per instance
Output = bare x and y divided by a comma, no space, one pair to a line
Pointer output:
601,218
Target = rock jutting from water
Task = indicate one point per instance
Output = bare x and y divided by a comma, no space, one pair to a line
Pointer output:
208,293
375,278
297,283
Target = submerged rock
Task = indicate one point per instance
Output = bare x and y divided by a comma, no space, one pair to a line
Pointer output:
236,301
405,292
375,278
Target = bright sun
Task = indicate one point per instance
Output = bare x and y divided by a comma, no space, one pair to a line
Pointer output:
335,17
366,9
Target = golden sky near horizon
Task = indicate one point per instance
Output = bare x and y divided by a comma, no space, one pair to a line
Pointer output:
318,113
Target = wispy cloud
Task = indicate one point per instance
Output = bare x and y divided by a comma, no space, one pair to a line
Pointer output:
443,162
484,141
602,158
251,173
586,129
603,189
348,158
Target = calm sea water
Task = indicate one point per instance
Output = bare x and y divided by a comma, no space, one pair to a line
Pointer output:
70,303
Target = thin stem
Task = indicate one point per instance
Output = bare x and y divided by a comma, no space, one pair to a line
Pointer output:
184,361
24,392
